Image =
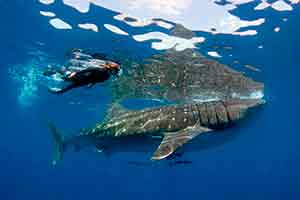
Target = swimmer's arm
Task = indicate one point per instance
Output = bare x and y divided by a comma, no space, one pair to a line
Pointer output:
93,69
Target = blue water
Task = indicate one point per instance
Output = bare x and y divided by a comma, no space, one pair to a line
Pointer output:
261,162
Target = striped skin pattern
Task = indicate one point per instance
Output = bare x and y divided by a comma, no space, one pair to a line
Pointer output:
157,121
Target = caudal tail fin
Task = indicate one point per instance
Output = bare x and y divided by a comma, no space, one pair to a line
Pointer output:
58,143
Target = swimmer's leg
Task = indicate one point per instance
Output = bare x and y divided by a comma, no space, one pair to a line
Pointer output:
55,90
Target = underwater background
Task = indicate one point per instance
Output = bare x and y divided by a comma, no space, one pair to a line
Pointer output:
260,161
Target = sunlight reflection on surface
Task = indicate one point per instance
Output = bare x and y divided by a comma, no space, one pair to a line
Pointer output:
212,16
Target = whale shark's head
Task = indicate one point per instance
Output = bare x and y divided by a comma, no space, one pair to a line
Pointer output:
247,89
239,87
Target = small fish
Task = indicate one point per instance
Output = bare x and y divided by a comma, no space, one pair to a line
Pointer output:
39,43
180,162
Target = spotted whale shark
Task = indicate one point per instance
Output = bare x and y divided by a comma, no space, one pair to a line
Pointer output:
184,77
173,125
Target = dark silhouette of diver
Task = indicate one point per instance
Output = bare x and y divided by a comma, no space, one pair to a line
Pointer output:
84,69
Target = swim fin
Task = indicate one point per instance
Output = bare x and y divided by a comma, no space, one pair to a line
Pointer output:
58,144
55,90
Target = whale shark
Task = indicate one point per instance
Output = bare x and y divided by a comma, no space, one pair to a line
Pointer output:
171,125
183,77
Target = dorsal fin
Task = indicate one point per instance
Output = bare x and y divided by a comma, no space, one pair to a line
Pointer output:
116,109
173,140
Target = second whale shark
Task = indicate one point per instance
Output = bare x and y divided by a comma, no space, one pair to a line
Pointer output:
173,125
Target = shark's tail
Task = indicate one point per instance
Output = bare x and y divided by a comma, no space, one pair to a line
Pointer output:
58,143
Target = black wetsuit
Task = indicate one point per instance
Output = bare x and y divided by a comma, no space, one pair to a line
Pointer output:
88,76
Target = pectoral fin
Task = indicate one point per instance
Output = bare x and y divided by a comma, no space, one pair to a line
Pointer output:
115,110
173,140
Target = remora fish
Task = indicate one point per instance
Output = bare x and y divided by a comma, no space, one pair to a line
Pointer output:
175,124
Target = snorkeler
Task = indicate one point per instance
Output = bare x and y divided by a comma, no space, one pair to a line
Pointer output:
84,69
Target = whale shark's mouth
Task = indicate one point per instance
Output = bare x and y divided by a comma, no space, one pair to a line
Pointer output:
253,95
257,96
